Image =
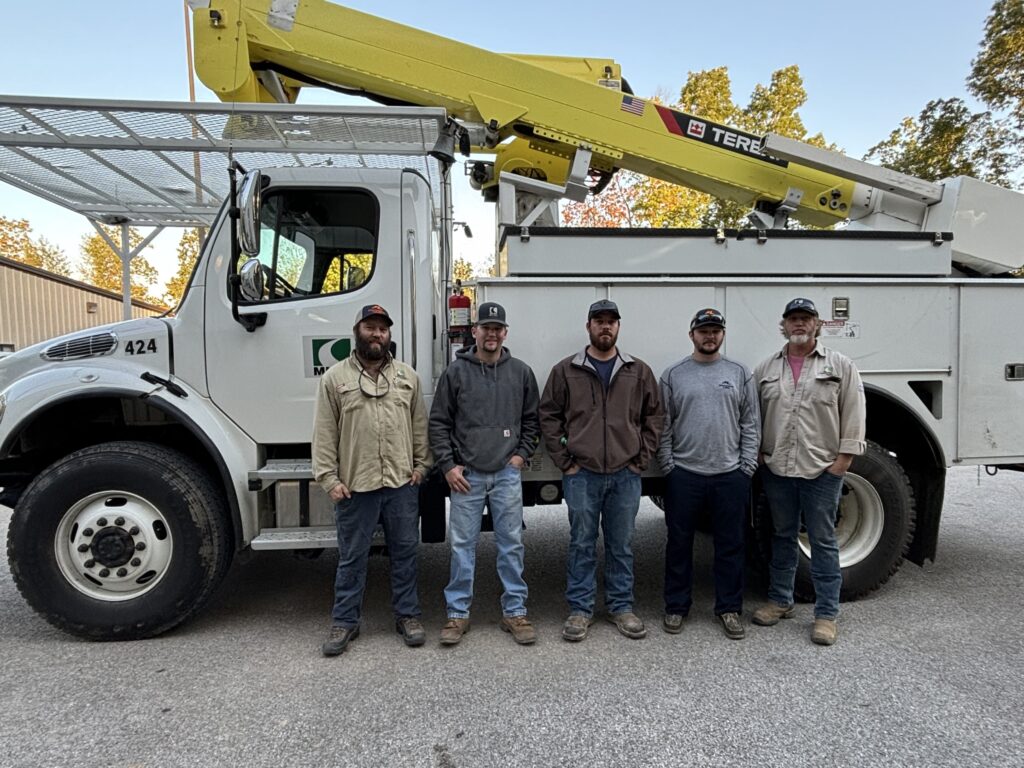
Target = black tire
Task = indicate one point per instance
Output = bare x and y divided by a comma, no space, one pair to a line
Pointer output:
107,500
876,524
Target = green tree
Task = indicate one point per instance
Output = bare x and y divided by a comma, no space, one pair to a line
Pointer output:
188,255
101,266
997,73
947,140
17,243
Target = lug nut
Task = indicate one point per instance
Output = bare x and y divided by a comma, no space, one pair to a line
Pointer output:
105,572
83,547
102,522
136,562
122,571
87,532
119,521
140,546
90,563
133,531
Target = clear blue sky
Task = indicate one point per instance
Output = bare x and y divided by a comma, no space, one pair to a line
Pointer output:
865,65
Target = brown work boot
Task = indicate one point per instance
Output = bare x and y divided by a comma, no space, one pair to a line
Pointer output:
576,627
629,624
824,631
520,628
453,630
770,613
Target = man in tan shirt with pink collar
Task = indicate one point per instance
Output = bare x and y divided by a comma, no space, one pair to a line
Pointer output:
813,424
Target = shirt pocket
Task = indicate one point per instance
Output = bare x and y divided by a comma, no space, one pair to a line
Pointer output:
349,396
770,387
404,390
826,388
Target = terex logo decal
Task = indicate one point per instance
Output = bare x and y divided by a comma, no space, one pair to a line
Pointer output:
319,353
721,136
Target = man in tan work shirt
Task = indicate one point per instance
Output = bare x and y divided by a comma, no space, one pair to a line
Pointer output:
370,452
813,424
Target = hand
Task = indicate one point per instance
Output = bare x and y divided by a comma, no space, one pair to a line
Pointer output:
456,481
760,459
572,470
339,492
517,461
841,465
416,478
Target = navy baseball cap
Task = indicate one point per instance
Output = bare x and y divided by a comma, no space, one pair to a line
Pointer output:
490,313
373,310
800,305
707,317
604,305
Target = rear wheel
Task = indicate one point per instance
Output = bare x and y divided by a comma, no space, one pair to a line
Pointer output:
119,541
874,528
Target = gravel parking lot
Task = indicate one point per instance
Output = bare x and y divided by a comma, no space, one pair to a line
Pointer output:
926,672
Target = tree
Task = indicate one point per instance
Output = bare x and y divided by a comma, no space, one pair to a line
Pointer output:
645,201
997,73
101,267
462,271
947,140
188,255
17,243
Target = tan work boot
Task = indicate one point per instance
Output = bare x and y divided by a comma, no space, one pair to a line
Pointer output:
824,631
770,613
520,628
453,630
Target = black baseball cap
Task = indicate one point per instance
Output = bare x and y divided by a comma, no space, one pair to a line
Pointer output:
604,305
707,317
800,305
490,313
373,310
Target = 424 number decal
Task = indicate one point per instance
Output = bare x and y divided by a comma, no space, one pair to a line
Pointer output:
140,346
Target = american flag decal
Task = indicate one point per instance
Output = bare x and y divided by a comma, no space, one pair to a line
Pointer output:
633,105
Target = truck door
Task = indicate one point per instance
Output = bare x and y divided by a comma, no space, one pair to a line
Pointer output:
325,252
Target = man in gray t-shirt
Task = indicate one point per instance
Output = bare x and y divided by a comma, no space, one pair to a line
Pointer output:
708,453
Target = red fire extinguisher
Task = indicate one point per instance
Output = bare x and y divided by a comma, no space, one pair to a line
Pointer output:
458,318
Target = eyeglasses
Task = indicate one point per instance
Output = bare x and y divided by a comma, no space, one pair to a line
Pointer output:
376,393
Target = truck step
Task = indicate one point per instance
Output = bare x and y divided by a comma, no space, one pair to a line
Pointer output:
313,537
280,469
318,537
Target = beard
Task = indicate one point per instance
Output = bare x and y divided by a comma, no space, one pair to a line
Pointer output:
601,342
710,346
369,349
799,338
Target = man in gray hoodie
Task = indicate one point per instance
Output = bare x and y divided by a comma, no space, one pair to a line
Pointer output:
483,427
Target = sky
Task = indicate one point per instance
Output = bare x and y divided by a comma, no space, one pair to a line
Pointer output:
865,65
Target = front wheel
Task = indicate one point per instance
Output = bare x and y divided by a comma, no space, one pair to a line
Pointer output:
121,540
874,528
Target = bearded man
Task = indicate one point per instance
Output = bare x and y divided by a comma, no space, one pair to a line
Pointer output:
370,452
813,424
601,418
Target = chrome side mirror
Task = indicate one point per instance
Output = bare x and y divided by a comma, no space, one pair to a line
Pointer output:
251,280
249,213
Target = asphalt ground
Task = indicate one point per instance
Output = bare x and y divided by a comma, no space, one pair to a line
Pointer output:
927,671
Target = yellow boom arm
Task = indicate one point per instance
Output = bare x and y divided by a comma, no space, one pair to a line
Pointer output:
258,50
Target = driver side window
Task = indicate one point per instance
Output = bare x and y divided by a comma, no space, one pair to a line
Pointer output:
316,242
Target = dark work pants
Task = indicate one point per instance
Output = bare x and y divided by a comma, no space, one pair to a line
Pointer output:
725,497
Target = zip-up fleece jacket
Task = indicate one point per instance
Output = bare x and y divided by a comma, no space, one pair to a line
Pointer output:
484,413
600,430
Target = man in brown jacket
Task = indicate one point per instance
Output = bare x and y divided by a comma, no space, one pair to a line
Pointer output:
601,418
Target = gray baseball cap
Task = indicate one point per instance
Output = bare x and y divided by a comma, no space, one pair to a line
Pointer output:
604,305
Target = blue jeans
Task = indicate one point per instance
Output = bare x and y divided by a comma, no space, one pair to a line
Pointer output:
356,518
725,498
610,502
817,502
504,489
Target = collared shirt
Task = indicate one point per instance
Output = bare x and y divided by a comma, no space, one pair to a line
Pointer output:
369,442
806,424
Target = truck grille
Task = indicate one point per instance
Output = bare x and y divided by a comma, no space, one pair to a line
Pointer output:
86,346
